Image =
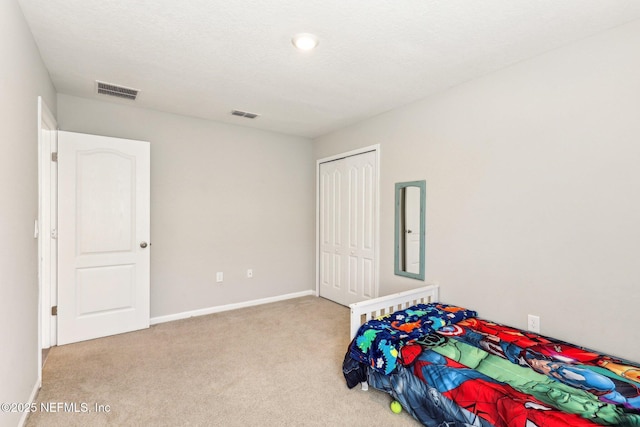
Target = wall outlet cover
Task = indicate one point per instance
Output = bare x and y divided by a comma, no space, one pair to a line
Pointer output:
533,323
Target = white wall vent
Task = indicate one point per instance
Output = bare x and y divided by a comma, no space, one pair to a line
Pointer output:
245,114
110,89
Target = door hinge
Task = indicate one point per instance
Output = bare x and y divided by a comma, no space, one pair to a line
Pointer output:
54,157
54,310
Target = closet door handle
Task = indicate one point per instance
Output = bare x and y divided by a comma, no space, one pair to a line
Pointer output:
143,245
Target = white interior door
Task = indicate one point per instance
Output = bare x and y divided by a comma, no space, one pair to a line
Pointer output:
103,236
347,228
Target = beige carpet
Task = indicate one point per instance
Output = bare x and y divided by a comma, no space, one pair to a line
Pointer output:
277,364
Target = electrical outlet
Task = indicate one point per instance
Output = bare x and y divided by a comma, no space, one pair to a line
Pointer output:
219,277
249,273
533,323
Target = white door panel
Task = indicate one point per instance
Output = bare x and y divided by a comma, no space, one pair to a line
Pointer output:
347,228
103,222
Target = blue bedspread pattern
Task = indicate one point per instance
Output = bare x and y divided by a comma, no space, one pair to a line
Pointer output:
378,342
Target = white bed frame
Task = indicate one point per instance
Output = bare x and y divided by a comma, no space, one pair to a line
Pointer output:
370,309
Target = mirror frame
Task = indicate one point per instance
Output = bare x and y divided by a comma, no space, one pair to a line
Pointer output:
397,241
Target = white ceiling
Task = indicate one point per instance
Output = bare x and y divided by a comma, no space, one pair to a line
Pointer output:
204,58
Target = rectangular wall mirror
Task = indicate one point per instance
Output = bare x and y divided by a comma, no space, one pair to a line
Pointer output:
410,229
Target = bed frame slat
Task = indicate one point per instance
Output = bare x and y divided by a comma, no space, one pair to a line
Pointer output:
370,309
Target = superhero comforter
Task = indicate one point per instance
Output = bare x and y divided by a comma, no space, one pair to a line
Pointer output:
472,372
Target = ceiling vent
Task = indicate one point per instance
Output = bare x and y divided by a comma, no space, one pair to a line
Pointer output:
244,114
118,91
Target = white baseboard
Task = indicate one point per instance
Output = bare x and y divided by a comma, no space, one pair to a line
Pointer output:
227,307
32,398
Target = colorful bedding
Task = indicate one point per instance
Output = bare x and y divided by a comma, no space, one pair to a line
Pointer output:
610,379
378,341
473,372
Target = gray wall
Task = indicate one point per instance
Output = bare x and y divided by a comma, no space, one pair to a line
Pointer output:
532,196
223,198
533,190
22,78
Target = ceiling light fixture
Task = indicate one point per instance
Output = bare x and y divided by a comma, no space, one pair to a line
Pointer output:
305,41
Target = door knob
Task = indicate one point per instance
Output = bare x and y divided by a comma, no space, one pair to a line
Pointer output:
143,245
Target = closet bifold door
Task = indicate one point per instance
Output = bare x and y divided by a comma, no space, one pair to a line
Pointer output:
347,227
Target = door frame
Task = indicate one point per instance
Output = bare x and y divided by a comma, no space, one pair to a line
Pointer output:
45,230
376,149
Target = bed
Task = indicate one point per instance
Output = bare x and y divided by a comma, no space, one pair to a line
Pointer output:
448,367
